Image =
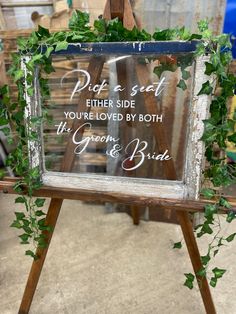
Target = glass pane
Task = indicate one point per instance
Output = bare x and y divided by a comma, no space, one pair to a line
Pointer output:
119,115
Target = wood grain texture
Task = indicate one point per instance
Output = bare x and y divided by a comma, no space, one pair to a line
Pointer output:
117,9
2,19
83,195
195,258
51,219
7,4
128,19
107,11
119,185
159,130
195,147
94,69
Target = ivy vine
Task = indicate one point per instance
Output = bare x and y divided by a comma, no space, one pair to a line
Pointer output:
219,128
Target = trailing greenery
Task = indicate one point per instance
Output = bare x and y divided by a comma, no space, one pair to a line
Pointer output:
219,128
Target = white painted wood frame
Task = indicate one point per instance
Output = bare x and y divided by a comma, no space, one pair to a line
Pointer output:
188,188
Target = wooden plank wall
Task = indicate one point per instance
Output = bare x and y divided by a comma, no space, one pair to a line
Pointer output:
17,14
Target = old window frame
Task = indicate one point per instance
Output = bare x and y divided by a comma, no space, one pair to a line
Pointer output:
189,187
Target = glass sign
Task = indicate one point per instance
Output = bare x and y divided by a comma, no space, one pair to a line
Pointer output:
131,120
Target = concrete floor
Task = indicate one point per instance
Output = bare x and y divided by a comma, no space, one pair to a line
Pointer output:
101,264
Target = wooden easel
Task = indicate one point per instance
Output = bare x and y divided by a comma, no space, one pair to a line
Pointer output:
121,9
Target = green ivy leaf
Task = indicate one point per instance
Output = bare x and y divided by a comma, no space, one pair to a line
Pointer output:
205,229
220,242
195,36
34,173
165,34
224,40
41,222
43,32
61,46
39,213
26,222
10,141
207,34
177,245
231,237
16,224
189,280
230,216
164,67
79,21
185,75
31,253
200,49
223,202
3,121
202,272
42,243
4,89
208,193
218,272
48,52
203,25
209,68
210,210
2,173
182,85
213,282
78,37
215,60
5,131
24,238
20,199
36,57
100,25
30,91
22,43
206,89
18,117
19,215
18,75
205,259
27,229
39,202
232,138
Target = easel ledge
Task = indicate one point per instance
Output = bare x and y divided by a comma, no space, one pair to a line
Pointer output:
7,187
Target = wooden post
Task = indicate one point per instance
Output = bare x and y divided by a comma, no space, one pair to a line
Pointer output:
117,9
36,268
128,19
189,237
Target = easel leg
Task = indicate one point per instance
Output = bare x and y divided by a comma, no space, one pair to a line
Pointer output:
51,219
135,214
187,229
